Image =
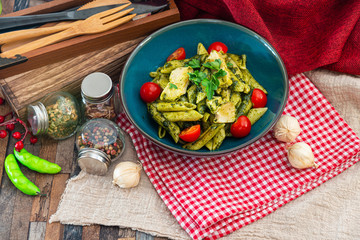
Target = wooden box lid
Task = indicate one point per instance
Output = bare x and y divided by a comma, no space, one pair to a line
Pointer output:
63,66
84,44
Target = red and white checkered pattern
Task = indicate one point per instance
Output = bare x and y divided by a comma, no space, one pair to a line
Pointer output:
213,197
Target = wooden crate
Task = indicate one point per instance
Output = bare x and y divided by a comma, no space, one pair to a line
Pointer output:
83,44
63,66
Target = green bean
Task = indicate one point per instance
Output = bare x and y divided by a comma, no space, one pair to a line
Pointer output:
18,178
36,163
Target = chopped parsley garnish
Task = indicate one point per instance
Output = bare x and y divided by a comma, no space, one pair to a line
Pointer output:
194,63
213,65
199,77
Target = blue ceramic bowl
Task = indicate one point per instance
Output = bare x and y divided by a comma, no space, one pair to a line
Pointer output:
263,62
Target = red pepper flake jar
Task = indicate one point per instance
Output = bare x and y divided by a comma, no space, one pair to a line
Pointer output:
100,100
99,142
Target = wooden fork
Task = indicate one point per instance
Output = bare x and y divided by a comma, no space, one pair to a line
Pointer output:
95,24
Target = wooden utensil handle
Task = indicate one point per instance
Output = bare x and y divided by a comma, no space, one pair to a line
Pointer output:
32,33
42,42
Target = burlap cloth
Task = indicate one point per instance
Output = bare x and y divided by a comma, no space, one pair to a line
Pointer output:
330,211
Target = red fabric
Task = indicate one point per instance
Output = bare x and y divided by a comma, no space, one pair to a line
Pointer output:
307,34
212,197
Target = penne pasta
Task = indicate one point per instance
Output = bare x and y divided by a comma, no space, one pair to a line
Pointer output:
205,137
174,106
186,103
188,116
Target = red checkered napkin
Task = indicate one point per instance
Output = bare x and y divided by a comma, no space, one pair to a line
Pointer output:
215,196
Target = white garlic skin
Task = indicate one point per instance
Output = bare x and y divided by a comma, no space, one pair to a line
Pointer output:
287,129
127,174
301,156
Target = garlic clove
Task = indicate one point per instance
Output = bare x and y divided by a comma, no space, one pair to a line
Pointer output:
127,174
301,156
287,129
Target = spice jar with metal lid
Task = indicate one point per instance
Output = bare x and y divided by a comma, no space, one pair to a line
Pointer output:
99,142
100,100
56,115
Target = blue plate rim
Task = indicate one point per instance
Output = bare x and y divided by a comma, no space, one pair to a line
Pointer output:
210,153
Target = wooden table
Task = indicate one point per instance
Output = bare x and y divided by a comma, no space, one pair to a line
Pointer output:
26,217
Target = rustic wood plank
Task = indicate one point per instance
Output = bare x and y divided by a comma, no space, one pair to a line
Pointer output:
4,109
65,154
22,209
37,231
40,207
91,232
75,170
47,7
21,203
87,43
109,233
15,210
72,232
7,203
161,238
143,236
8,6
126,233
56,230
25,88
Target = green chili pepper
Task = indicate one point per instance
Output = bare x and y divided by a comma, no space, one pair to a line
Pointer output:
35,163
18,178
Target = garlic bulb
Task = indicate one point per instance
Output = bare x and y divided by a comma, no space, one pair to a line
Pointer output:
127,174
287,129
301,156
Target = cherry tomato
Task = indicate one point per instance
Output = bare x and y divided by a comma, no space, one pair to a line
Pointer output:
178,54
190,134
258,98
218,46
241,127
149,92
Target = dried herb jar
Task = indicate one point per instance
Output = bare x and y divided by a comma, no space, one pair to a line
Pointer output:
99,142
100,100
56,115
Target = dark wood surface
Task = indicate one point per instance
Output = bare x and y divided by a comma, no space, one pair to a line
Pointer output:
86,43
27,217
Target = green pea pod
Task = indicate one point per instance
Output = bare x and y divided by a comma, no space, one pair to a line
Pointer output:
18,178
35,163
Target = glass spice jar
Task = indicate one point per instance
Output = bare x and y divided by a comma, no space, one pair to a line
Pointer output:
56,115
99,142
99,98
